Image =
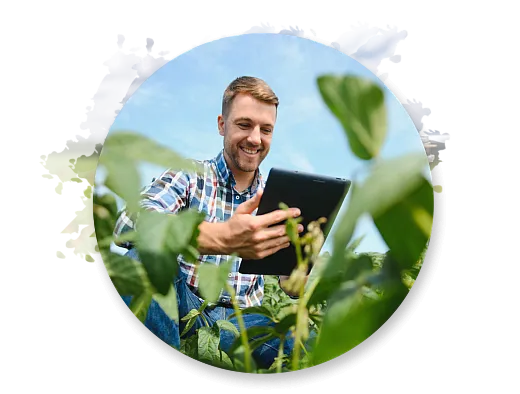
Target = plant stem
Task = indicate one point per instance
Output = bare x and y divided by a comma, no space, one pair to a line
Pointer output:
241,325
280,356
205,320
297,335
298,248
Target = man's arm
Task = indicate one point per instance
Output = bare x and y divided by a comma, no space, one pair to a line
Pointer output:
212,239
168,193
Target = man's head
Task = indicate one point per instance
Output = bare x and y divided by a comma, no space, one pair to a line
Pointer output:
247,121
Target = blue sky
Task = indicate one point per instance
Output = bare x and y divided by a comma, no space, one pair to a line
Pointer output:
179,104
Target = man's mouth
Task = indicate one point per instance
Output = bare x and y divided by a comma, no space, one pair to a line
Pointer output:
250,151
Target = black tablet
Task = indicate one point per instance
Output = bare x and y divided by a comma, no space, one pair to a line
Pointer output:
315,195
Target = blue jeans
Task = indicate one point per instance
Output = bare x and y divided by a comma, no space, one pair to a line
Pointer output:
169,331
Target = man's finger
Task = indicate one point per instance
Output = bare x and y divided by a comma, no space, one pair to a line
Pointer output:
277,216
274,242
271,251
275,232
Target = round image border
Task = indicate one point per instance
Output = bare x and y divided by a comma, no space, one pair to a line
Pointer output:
390,330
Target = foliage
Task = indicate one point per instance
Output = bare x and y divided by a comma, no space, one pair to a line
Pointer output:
348,295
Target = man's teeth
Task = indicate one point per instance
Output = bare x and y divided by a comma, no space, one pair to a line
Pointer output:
251,152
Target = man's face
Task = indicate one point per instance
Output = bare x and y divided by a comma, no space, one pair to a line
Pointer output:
247,132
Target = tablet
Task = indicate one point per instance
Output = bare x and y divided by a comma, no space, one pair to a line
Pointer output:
315,195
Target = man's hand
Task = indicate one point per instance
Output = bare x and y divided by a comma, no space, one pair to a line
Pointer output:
251,237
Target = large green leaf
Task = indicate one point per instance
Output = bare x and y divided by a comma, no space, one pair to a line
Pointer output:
352,318
161,238
127,275
257,335
406,226
352,267
208,344
212,279
140,304
123,179
136,147
105,212
168,303
228,326
359,105
390,183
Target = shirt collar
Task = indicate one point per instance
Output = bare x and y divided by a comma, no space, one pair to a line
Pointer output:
225,176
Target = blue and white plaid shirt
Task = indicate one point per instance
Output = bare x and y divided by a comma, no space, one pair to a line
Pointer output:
212,192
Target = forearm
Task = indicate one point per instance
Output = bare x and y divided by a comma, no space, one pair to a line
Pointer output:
212,239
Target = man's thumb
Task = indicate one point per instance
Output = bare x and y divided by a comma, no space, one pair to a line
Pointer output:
250,205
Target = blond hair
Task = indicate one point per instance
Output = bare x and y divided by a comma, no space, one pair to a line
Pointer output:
255,87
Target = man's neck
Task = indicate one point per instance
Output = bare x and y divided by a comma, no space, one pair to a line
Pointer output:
242,179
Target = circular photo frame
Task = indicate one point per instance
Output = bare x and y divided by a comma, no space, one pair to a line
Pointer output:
263,203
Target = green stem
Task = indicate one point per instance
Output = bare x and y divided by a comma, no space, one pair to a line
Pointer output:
303,347
280,356
205,320
298,334
241,325
298,248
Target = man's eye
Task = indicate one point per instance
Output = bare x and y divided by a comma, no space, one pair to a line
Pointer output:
243,125
267,130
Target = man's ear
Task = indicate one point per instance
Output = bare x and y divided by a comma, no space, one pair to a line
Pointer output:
220,123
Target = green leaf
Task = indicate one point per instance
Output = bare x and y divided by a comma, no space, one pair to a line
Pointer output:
212,279
105,212
168,304
406,227
360,265
359,105
330,278
239,361
285,324
228,326
124,180
355,244
189,346
161,238
208,343
191,314
254,334
257,310
225,362
188,326
390,182
140,304
127,275
135,147
352,318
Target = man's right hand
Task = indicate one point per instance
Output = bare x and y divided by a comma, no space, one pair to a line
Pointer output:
251,237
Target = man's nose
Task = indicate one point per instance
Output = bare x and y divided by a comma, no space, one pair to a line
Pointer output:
255,136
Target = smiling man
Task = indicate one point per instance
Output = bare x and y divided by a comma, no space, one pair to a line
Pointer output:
228,192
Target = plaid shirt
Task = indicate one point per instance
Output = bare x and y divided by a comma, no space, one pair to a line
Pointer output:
213,193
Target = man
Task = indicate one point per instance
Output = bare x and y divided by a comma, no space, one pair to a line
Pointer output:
229,193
